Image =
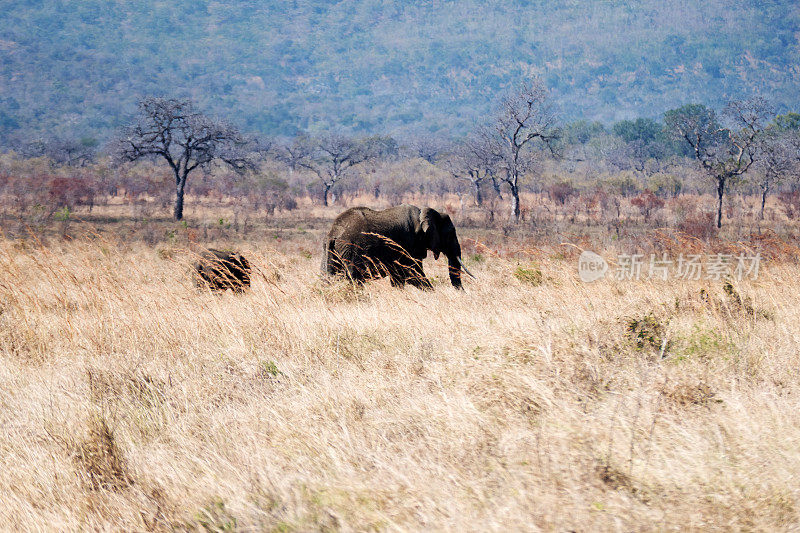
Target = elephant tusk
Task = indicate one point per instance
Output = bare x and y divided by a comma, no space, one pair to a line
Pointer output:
464,268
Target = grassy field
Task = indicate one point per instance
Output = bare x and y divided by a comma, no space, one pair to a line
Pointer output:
130,400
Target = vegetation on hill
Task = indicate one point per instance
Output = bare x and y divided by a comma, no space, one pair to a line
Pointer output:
76,69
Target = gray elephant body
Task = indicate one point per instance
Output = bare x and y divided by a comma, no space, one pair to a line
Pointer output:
366,244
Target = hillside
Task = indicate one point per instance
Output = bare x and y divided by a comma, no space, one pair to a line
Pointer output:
76,69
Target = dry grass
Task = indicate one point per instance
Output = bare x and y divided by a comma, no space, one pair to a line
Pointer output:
130,400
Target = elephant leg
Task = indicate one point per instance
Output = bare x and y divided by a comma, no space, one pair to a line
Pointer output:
346,261
327,250
352,273
355,272
382,269
395,269
415,276
333,261
420,281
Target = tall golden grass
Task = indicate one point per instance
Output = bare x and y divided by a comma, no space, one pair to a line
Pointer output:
131,400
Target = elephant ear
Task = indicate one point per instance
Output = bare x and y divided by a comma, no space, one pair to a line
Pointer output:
429,219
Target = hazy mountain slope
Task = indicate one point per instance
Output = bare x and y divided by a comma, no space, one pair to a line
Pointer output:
76,68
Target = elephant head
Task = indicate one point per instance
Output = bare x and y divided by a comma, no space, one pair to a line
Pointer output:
440,238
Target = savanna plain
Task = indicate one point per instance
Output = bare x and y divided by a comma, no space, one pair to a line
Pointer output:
132,400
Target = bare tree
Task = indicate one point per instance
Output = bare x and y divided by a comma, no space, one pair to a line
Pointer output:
333,157
776,160
171,129
427,147
525,124
724,153
62,151
633,155
793,144
472,161
296,151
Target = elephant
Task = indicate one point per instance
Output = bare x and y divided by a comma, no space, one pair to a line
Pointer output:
222,269
367,244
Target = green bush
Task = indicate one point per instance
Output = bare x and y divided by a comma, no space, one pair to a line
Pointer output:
529,275
645,331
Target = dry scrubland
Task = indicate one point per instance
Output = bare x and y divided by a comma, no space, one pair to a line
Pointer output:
130,400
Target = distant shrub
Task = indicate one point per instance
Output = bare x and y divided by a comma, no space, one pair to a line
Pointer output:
743,305
287,203
561,192
665,185
699,225
70,192
268,369
790,201
684,206
647,202
532,275
215,517
645,331
623,184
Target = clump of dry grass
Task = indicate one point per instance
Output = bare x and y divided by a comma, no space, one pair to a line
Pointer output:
99,460
688,394
131,400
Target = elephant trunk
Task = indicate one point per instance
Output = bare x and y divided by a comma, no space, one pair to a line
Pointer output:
454,267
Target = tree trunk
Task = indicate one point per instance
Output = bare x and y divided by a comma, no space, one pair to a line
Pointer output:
497,189
478,193
764,191
181,186
720,194
514,202
325,190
